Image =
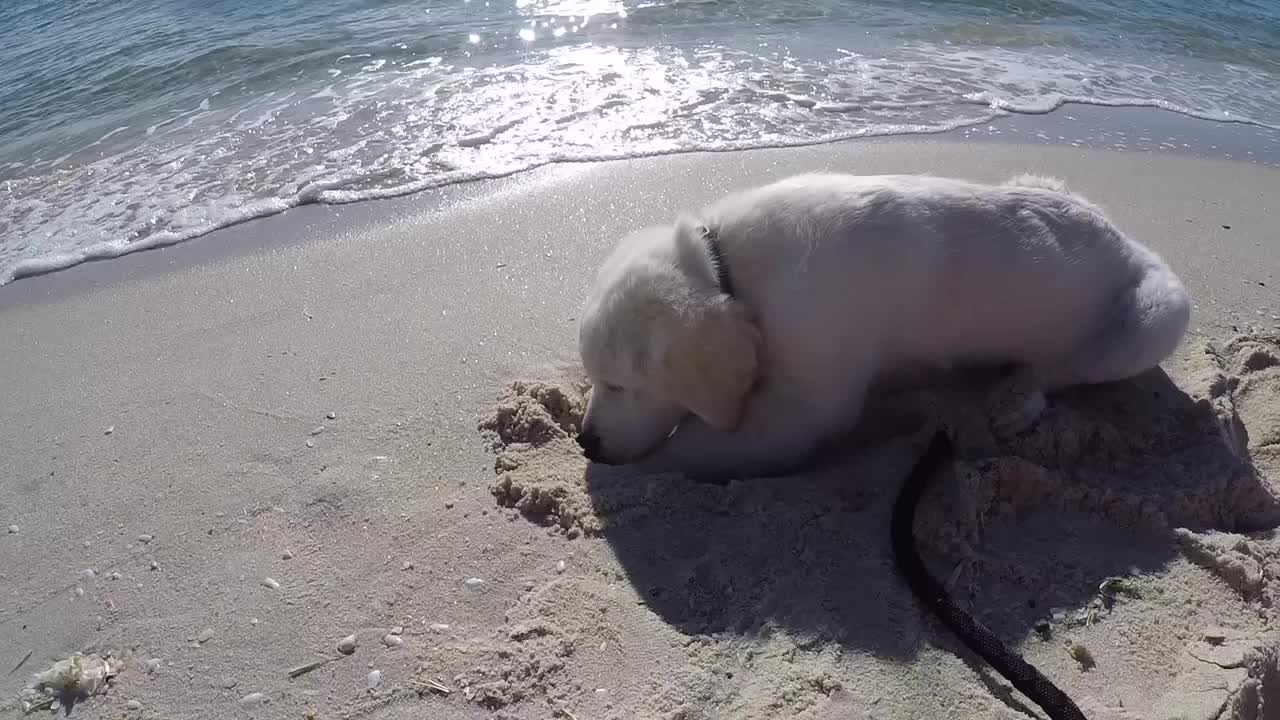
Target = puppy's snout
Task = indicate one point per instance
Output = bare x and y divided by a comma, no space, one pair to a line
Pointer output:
590,443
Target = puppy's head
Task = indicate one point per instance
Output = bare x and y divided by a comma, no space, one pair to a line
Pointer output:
659,341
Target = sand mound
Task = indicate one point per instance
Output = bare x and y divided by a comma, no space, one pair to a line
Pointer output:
1133,520
540,467
537,413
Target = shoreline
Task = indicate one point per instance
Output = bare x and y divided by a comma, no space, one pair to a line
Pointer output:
1121,129
1211,231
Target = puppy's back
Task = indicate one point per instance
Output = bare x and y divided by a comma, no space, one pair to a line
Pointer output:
932,266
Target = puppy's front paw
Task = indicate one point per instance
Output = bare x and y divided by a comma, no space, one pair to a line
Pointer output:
1015,408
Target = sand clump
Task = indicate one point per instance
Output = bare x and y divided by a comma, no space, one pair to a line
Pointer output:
540,467
1127,521
535,413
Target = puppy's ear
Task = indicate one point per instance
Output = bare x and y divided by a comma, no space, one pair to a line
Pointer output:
711,363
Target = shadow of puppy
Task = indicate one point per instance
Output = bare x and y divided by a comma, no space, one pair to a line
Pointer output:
1025,529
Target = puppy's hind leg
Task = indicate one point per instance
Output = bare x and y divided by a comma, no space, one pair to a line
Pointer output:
1017,403
1140,330
1143,327
1146,325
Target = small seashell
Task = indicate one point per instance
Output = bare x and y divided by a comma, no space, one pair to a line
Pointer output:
1214,635
271,583
392,641
347,645
305,668
205,636
375,680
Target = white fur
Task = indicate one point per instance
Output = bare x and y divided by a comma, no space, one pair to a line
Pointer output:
842,281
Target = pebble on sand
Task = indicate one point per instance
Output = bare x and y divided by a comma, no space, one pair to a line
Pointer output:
392,641
331,415
144,538
375,680
438,627
13,529
287,555
397,629
271,583
560,566
317,430
1082,655
151,666
110,429
347,645
205,636
252,699
406,566
133,705
473,583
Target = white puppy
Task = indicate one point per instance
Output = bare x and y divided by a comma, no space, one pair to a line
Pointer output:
758,327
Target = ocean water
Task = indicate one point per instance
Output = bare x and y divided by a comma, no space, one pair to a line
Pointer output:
126,125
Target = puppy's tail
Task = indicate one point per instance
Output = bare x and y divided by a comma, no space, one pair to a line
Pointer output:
1042,182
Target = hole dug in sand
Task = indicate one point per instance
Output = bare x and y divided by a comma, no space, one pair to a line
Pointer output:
1134,520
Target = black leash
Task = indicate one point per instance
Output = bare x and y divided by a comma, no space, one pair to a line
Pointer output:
974,634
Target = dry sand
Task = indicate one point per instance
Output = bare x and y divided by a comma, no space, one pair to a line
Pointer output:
445,507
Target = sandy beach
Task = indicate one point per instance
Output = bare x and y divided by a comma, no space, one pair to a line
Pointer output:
224,457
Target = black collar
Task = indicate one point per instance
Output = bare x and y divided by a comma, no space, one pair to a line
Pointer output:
717,260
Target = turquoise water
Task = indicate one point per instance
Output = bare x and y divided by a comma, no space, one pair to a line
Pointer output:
126,125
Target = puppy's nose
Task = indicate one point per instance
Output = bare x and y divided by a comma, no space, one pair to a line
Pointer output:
590,443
